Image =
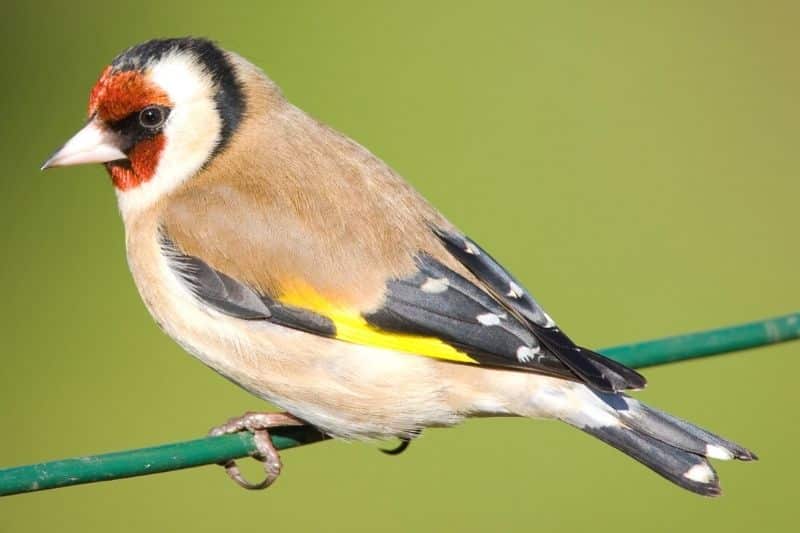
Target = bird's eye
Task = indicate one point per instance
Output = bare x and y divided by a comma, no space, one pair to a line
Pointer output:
152,117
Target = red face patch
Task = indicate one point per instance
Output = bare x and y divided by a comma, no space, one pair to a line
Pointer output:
143,161
116,96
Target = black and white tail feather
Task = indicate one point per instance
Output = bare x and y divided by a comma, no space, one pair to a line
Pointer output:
671,447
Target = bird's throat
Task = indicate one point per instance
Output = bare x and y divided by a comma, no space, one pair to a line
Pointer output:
140,166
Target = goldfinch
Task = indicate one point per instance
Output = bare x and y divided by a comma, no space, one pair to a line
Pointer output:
289,259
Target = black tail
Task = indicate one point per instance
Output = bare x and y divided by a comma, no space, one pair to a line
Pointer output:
671,447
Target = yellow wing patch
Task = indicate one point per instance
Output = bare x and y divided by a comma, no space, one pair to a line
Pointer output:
351,327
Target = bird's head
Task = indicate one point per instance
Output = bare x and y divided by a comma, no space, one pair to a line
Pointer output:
159,112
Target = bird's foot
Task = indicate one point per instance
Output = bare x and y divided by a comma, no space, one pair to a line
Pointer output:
258,424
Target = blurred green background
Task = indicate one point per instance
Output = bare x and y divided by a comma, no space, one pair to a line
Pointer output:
636,165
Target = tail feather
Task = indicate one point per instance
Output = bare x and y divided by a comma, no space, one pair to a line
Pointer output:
683,468
671,447
680,433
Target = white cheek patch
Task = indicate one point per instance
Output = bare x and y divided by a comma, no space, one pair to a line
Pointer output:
192,130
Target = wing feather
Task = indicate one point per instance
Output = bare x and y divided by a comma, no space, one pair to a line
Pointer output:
434,312
595,369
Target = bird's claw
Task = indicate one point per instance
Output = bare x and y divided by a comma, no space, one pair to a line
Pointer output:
404,443
265,452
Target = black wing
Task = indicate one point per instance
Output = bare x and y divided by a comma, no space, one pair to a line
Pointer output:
438,302
497,324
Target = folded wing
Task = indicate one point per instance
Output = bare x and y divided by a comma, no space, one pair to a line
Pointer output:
434,312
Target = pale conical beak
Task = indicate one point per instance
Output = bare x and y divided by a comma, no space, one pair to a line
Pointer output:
93,144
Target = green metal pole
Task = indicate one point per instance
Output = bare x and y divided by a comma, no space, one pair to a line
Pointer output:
213,450
144,461
709,342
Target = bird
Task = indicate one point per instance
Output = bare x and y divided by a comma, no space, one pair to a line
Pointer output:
295,263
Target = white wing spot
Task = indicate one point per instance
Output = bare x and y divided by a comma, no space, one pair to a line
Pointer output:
701,473
471,248
550,322
514,290
488,319
435,285
526,353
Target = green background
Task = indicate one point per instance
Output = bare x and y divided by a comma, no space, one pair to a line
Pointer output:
635,164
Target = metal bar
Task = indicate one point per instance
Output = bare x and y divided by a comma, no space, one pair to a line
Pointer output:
145,461
706,343
213,450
